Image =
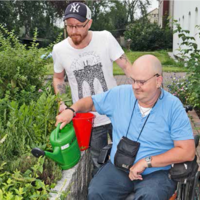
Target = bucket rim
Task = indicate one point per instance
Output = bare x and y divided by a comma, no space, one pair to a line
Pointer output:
92,116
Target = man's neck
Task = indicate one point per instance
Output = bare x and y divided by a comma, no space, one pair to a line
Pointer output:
86,41
151,102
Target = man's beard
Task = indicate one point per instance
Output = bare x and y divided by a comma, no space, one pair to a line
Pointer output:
77,38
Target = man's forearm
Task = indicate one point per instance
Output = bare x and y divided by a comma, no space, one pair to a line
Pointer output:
124,63
182,152
84,105
59,85
175,155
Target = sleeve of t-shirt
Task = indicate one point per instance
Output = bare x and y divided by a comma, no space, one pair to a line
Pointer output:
58,68
180,124
104,103
115,50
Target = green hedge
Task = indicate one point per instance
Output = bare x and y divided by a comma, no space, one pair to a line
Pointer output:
146,36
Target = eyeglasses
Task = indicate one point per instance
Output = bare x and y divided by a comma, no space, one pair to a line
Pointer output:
141,82
77,26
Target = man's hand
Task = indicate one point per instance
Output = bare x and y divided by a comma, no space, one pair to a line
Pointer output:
64,117
137,169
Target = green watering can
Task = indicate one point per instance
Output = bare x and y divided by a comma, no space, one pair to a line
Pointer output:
66,151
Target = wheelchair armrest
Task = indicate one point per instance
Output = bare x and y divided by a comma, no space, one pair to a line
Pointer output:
188,108
104,154
196,140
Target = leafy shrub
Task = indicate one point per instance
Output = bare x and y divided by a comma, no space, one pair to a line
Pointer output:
21,68
190,56
146,36
27,125
51,171
19,186
28,108
179,88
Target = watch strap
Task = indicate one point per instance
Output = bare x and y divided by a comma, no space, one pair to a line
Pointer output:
148,160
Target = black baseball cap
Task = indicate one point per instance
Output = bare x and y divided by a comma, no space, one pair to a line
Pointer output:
77,10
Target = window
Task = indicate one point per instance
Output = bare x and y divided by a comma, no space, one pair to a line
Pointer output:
196,22
189,21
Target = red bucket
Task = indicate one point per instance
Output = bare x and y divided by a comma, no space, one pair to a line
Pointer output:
83,126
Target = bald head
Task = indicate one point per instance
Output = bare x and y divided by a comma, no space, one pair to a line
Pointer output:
146,85
148,63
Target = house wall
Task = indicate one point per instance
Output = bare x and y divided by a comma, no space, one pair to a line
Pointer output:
160,13
153,16
188,15
171,12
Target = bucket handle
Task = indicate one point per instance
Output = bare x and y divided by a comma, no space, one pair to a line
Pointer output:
90,121
57,130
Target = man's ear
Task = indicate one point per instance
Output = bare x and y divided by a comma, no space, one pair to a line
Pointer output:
90,24
159,81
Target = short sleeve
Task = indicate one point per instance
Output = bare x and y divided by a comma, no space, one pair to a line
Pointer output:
104,103
115,50
180,124
58,68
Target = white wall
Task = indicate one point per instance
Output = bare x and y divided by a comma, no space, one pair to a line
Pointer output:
188,15
160,13
171,12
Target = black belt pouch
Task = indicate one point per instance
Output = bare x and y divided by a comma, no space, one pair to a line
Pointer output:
126,153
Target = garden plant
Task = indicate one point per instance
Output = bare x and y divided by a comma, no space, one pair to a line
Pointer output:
28,108
188,89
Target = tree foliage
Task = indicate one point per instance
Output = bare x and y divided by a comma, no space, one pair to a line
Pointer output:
24,16
147,36
107,14
10,20
133,5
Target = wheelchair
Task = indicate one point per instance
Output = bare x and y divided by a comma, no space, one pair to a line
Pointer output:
188,189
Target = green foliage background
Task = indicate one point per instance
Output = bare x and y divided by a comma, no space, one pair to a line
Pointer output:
28,108
146,36
188,89
21,68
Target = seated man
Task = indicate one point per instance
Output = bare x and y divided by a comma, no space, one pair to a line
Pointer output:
145,113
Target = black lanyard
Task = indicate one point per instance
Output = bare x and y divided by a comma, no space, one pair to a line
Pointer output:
144,122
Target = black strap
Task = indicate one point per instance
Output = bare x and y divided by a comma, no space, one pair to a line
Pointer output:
131,117
74,112
143,125
144,122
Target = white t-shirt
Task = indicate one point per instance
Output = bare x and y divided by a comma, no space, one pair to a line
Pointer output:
89,70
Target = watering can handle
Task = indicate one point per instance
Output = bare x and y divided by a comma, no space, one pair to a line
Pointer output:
57,131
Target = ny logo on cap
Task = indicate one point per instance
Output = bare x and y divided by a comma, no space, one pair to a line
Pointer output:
75,7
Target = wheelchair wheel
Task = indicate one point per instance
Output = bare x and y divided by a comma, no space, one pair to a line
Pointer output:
197,191
197,187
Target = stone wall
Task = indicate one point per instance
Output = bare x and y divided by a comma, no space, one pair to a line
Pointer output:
75,181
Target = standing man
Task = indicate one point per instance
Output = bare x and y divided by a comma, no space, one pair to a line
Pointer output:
87,58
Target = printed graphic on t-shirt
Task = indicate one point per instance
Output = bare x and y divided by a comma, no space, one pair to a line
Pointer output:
89,74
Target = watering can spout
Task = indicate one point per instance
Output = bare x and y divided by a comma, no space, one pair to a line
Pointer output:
55,155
